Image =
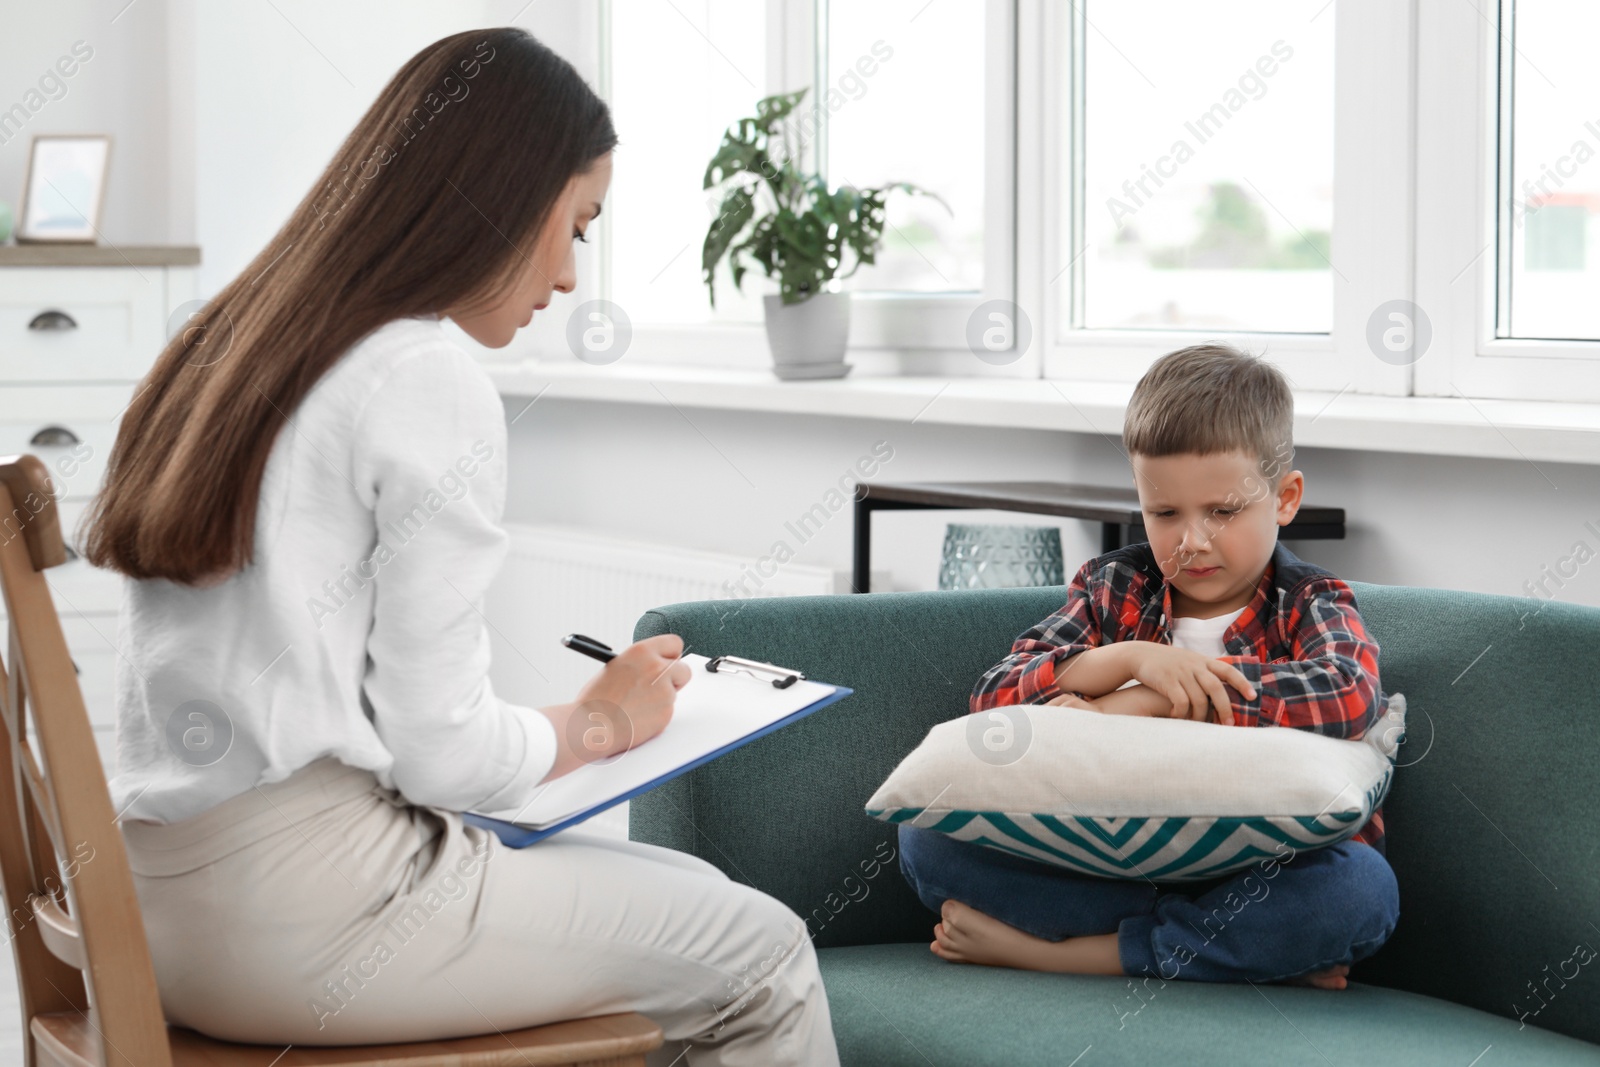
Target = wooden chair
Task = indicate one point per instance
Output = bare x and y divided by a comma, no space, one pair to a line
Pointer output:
87,985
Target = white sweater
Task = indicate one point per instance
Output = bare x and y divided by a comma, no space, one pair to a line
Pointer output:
357,631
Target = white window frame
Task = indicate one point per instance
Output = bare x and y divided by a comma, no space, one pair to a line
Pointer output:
1459,240
936,323
1417,119
1372,233
890,332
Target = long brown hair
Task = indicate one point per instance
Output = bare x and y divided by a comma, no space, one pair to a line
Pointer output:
424,208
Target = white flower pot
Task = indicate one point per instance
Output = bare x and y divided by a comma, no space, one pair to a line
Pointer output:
808,339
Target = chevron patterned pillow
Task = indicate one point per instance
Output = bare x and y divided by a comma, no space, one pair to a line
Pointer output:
1129,797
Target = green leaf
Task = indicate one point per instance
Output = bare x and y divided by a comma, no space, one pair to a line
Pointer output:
734,156
810,232
738,207
772,110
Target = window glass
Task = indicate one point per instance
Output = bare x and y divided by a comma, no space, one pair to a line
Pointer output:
903,91
1550,194
681,73
1207,156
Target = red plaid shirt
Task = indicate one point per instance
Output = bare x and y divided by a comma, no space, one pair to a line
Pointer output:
1299,641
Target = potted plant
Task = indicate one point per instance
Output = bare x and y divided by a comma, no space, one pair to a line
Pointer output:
803,237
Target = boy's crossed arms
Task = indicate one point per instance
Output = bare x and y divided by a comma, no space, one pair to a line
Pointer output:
1323,677
1176,683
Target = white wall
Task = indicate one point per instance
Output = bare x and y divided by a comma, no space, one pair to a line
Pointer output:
729,481
223,115
122,90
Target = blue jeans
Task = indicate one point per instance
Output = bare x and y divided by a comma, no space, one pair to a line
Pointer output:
1310,910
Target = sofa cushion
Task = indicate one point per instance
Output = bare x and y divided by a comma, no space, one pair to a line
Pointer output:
900,1004
1121,796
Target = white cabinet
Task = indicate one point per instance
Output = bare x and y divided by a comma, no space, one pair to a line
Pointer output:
79,327
82,323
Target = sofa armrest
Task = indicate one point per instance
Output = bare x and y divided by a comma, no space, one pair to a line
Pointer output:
784,813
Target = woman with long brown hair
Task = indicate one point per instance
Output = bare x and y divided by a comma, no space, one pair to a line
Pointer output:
305,497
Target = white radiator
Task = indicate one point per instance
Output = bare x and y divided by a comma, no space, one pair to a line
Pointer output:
561,580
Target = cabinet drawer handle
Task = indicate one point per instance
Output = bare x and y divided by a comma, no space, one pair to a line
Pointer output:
52,320
54,437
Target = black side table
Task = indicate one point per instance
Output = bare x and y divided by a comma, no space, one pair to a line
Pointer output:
1117,510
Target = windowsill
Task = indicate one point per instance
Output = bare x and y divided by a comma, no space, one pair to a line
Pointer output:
1445,426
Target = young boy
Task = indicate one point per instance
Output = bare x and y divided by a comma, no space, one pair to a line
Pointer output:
1211,620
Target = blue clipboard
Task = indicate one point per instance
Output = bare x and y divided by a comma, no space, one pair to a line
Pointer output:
514,835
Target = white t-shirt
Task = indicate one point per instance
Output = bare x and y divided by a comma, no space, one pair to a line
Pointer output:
1198,635
356,631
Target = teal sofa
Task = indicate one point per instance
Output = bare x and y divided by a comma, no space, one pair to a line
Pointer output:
1491,832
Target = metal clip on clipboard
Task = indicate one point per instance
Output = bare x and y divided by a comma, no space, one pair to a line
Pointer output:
754,668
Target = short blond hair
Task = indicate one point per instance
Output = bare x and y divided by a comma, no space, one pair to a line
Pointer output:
1213,398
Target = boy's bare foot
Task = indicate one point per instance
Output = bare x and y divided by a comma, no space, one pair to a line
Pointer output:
966,935
1332,978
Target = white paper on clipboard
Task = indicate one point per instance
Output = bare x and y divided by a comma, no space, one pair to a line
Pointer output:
711,712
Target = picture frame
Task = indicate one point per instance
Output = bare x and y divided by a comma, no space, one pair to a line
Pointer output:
64,192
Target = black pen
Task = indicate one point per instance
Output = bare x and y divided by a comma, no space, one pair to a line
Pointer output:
589,647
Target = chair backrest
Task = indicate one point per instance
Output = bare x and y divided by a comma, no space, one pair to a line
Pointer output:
1490,821
73,916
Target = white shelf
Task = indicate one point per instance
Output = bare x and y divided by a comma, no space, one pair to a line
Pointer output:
1446,426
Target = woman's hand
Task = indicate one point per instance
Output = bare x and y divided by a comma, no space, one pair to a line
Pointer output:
1191,681
624,705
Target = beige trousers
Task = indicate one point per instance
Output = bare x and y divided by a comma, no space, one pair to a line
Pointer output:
327,910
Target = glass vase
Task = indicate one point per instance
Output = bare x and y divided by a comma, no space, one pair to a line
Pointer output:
1000,557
